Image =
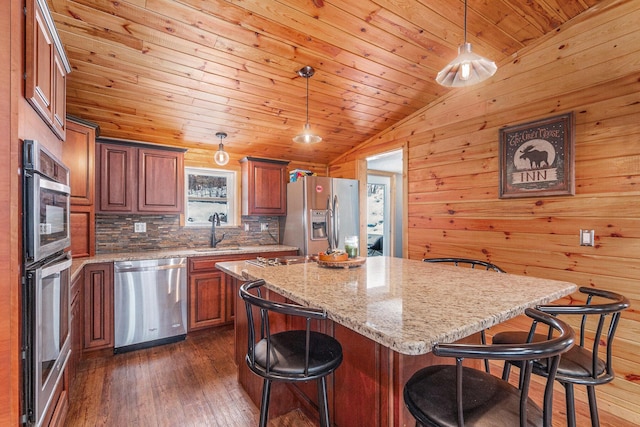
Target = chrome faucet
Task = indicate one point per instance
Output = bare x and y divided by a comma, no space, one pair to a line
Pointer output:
215,220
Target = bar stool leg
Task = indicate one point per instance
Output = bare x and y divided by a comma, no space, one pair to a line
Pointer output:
593,406
264,405
571,410
323,407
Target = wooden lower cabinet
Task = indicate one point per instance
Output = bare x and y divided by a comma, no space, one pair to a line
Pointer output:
211,293
207,295
77,330
98,306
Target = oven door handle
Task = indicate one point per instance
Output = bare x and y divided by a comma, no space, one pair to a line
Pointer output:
56,267
43,182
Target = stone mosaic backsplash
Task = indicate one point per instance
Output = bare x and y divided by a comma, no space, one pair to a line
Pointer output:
115,233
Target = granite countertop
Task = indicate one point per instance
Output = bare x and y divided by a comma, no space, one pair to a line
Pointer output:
78,263
406,305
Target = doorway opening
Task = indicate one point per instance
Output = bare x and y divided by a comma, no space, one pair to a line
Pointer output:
384,204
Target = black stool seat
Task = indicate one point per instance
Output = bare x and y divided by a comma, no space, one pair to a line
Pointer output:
575,363
430,395
287,356
457,395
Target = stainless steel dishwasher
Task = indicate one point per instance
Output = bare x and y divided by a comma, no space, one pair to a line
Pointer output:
150,303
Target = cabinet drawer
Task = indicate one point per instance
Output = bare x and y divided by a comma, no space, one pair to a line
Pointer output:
202,264
208,263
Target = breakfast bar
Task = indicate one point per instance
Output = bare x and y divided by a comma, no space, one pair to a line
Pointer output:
388,313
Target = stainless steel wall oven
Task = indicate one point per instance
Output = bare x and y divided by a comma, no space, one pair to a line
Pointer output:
46,279
46,198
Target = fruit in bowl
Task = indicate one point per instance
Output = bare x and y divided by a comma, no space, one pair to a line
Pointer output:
335,256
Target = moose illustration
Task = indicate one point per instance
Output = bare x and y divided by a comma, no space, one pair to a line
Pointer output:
535,157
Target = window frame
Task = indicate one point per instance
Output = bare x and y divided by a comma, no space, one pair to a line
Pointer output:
232,196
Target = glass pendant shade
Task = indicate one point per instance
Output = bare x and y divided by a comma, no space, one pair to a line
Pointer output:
307,137
221,157
467,69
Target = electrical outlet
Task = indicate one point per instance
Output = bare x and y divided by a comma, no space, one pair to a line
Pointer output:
246,226
587,237
264,226
139,227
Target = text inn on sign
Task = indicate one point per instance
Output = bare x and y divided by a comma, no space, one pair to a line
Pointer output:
536,158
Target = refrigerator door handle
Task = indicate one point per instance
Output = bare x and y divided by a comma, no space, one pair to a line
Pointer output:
329,225
336,223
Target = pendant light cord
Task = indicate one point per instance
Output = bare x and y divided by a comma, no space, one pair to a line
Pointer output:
465,21
307,78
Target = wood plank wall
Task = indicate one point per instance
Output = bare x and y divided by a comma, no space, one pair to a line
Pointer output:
591,66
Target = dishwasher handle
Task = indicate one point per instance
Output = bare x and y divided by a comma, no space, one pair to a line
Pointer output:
127,268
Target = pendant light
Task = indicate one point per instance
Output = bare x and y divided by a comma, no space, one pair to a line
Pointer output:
307,137
468,68
221,157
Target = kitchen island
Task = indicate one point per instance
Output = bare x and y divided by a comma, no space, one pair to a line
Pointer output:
388,314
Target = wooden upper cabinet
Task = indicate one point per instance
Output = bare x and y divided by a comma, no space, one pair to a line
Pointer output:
137,178
78,155
160,180
59,122
46,67
116,182
264,186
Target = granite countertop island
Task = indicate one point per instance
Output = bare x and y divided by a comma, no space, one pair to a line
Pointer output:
406,305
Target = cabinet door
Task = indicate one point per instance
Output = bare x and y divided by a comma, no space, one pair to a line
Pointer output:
117,179
230,297
160,181
98,306
59,108
82,231
39,62
264,188
76,327
207,304
78,155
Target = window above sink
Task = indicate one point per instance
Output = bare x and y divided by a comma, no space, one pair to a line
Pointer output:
209,191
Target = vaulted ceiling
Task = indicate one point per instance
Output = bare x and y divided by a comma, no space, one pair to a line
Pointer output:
175,72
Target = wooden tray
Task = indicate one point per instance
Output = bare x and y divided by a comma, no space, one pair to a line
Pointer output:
353,262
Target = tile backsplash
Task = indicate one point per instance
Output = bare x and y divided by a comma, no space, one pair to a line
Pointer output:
115,233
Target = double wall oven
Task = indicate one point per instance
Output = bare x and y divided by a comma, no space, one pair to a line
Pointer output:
46,279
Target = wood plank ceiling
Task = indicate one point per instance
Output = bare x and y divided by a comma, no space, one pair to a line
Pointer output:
176,72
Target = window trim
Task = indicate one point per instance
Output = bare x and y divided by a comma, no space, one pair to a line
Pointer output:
233,194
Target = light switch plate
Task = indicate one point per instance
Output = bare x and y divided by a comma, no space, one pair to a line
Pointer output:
586,237
139,227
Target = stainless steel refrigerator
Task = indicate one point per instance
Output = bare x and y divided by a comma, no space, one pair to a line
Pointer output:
321,211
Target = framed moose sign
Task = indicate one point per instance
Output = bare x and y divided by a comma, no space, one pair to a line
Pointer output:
537,158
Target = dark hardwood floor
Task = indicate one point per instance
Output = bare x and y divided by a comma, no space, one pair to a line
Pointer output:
193,383
189,383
